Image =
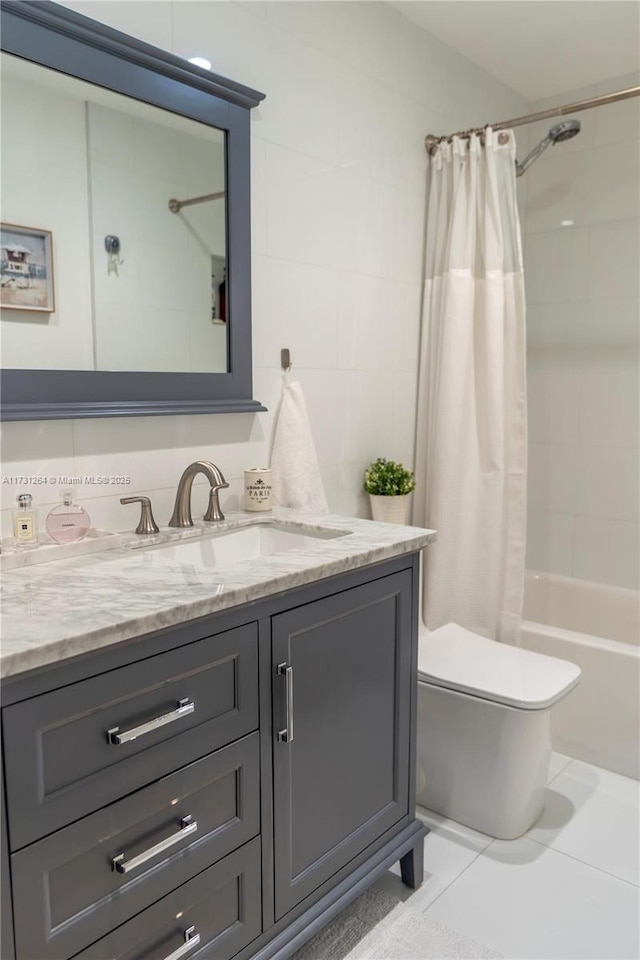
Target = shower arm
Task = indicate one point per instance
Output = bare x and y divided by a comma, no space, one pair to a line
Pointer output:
533,156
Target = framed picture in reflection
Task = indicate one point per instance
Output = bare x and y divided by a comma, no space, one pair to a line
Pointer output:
26,269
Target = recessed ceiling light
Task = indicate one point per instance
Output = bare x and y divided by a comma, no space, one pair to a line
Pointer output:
200,62
567,223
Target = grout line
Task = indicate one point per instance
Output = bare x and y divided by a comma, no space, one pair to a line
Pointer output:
562,770
457,877
585,863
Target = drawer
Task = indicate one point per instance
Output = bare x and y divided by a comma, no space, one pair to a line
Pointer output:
68,891
74,750
221,906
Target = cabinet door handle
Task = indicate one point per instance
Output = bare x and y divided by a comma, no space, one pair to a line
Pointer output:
286,735
191,940
187,827
183,708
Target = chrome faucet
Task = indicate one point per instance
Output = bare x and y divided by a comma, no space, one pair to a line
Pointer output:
181,516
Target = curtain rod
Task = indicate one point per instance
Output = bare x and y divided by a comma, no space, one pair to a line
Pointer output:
176,205
431,141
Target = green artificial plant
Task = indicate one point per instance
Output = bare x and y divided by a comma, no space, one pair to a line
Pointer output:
386,478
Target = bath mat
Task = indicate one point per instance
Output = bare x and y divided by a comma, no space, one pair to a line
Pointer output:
378,926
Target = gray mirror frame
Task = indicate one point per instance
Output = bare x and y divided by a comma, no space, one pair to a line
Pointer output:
53,36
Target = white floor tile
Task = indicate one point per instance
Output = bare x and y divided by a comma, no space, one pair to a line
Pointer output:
525,900
557,765
448,850
594,816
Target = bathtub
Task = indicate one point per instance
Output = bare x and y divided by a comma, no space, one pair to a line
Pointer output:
595,626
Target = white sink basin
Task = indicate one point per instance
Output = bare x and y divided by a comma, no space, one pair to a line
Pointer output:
225,549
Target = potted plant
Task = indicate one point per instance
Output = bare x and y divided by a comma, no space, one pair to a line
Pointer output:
388,484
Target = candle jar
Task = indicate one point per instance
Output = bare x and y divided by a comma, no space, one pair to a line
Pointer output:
257,490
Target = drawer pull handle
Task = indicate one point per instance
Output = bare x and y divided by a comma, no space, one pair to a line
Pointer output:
116,737
187,827
191,940
286,735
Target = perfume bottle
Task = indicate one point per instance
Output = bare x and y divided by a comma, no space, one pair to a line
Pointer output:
68,521
25,522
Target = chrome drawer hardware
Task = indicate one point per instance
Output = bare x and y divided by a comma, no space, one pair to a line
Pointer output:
191,940
187,827
184,707
286,735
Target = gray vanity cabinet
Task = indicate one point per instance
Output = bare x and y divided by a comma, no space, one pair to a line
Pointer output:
342,779
234,829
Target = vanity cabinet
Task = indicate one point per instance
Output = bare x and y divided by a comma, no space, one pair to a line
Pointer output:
217,789
343,779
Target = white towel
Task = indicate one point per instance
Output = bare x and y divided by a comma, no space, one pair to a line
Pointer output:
296,474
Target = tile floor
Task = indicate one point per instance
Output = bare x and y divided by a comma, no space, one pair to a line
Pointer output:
569,888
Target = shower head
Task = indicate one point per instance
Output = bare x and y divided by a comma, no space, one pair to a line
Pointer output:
564,131
561,132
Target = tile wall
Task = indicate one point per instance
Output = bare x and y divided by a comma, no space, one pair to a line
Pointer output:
338,201
581,268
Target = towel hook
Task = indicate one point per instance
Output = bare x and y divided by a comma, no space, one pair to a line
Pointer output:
285,359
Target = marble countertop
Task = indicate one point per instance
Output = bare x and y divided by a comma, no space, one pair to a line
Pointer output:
53,611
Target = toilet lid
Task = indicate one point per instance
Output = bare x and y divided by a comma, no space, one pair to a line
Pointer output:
458,659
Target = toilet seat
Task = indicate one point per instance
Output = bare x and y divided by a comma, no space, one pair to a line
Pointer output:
460,660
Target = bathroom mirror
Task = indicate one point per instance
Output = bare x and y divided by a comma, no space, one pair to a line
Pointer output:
125,250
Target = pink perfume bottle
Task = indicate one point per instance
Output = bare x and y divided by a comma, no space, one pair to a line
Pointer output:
68,521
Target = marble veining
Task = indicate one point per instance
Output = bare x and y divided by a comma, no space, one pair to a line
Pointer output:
58,610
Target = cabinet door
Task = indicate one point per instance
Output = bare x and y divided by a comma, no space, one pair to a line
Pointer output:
342,673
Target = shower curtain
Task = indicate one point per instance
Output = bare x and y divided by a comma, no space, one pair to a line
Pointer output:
471,442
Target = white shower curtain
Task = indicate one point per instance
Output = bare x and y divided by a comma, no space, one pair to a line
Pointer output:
471,443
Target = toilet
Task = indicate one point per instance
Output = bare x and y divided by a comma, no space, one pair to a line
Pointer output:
484,713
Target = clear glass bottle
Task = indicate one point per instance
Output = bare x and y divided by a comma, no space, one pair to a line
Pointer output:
68,521
25,522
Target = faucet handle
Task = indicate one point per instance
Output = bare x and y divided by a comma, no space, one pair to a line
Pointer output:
214,513
147,523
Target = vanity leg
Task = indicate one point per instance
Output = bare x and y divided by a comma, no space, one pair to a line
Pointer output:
412,866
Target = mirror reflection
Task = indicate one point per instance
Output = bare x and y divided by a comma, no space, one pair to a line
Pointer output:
113,250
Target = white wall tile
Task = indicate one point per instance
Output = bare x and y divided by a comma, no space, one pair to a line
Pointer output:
558,191
555,477
405,388
572,333
609,407
583,339
550,541
377,236
36,449
229,35
294,306
554,407
610,482
367,417
613,184
366,321
313,210
555,265
258,195
149,20
613,260
607,551
352,500
365,119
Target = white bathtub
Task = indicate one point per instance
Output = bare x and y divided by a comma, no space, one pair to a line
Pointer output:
595,626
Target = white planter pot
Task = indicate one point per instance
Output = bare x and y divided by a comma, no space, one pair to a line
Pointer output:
390,509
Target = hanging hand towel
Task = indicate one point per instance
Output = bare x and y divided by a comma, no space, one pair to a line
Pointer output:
294,464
